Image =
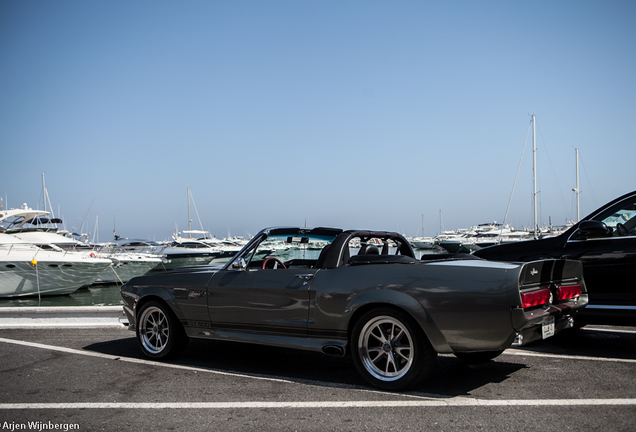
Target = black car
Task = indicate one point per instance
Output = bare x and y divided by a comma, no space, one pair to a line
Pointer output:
605,242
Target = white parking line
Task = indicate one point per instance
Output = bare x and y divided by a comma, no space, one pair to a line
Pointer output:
609,330
449,402
519,352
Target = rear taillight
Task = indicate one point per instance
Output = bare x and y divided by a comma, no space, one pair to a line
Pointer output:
535,298
568,292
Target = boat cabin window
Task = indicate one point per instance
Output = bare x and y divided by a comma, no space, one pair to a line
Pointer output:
191,245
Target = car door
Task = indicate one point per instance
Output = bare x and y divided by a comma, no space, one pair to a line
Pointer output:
269,301
609,267
609,262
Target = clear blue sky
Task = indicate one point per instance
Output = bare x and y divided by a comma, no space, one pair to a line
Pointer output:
354,114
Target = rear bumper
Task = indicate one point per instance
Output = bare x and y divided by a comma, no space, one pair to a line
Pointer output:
535,333
529,323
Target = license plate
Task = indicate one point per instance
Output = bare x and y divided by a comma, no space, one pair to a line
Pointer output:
547,328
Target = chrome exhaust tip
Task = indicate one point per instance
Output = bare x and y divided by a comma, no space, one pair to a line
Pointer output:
333,350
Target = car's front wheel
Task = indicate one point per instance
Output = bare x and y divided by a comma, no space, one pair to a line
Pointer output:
390,350
159,332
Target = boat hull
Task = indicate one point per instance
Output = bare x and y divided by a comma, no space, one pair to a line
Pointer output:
187,260
20,279
124,268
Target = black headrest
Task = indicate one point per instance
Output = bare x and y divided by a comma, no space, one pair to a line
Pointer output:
321,258
372,250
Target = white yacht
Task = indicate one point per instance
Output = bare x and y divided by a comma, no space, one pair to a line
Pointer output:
127,265
423,243
131,258
189,251
227,248
457,241
27,270
37,228
496,233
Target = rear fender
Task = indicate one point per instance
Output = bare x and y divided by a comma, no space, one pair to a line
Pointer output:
388,298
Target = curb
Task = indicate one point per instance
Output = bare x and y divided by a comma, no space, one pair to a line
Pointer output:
63,316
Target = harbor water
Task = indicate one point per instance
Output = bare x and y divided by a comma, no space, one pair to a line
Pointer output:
95,295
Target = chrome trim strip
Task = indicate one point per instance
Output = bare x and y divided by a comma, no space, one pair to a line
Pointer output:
571,240
590,306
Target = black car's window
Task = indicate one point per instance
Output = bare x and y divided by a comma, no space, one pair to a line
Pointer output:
622,219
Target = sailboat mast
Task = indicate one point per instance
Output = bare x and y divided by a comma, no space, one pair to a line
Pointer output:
43,192
534,174
577,190
189,219
96,232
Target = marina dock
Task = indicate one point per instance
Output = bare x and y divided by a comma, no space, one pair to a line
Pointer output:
62,316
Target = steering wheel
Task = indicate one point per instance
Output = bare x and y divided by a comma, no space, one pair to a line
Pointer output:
276,261
621,230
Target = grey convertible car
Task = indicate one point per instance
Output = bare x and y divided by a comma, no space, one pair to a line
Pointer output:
358,293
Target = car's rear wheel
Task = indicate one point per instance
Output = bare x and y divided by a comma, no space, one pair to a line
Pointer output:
390,351
159,332
478,357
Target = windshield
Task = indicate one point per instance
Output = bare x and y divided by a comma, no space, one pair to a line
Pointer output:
288,247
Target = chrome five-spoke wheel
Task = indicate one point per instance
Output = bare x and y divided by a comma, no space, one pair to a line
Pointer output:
154,330
386,348
390,350
159,332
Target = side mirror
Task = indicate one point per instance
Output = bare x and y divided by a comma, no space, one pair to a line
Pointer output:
239,265
594,229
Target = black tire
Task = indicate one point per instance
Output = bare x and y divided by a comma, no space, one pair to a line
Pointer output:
474,358
159,332
390,350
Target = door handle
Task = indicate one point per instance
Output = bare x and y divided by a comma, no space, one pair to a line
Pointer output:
306,277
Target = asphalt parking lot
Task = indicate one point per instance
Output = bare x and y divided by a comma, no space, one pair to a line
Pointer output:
97,379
